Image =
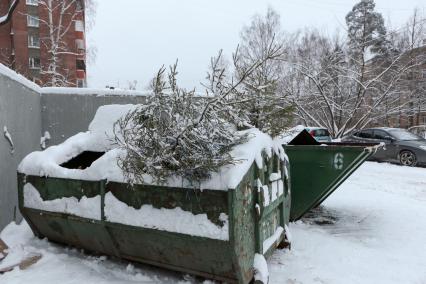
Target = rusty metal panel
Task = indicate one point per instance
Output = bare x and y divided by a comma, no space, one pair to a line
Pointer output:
243,226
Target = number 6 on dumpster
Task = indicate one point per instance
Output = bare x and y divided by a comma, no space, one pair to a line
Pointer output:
338,161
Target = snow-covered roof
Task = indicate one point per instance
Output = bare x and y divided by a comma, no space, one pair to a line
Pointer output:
100,138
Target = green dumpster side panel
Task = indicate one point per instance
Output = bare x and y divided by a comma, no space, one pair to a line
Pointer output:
196,201
180,252
54,188
225,260
75,231
317,171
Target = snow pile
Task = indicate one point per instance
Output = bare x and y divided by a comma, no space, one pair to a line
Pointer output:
231,175
378,237
70,266
171,220
100,138
86,207
261,272
15,236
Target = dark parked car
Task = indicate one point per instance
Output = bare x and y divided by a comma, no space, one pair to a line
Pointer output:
320,134
401,145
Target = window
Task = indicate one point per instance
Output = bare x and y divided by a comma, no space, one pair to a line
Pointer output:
79,26
34,62
80,44
365,134
32,2
321,132
81,65
80,83
79,5
33,21
380,135
33,41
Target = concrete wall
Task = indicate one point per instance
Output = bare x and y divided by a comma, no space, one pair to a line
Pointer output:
20,112
65,114
28,111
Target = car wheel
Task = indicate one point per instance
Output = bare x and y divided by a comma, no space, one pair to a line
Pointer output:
407,158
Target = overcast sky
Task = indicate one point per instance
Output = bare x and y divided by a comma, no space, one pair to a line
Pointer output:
134,38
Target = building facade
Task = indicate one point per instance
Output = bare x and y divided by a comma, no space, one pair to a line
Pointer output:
408,97
44,40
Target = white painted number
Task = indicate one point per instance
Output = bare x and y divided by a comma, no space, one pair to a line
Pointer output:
338,161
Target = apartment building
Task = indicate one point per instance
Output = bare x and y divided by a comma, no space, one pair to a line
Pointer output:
44,40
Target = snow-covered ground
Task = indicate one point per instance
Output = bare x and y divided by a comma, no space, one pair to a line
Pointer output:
371,230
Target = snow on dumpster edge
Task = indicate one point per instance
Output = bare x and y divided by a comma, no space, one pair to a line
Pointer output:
100,138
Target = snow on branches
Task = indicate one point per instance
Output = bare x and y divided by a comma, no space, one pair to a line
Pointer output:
176,133
268,108
6,17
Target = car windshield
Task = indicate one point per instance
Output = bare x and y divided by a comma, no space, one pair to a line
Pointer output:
322,132
401,134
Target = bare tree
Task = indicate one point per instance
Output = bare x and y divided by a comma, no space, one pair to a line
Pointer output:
332,89
175,133
6,17
57,19
413,86
268,109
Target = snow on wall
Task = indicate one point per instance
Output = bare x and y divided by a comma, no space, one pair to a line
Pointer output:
44,139
5,71
171,220
18,78
92,91
9,139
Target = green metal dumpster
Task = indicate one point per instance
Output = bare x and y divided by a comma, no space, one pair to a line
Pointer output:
318,169
207,232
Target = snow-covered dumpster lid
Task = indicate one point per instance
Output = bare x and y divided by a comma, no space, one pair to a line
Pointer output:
93,155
